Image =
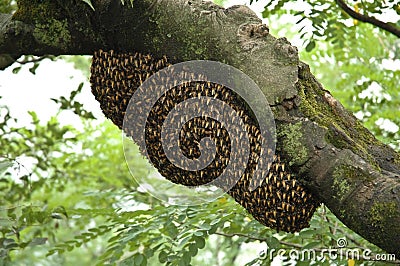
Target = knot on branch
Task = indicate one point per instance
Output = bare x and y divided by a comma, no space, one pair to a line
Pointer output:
285,53
251,35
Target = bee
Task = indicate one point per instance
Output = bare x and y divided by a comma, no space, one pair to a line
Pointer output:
116,76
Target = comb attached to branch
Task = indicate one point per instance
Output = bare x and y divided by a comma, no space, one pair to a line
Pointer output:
279,201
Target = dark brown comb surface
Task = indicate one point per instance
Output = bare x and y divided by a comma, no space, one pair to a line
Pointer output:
278,202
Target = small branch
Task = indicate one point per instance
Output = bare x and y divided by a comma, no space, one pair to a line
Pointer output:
259,239
35,59
363,18
350,237
338,228
324,217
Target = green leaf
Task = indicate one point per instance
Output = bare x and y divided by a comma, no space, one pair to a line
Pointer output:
89,2
186,258
307,233
198,233
4,166
200,242
76,92
128,262
205,226
9,243
213,229
163,256
300,20
193,249
252,262
35,118
221,2
272,242
139,259
302,263
310,46
171,230
16,70
185,240
312,245
33,68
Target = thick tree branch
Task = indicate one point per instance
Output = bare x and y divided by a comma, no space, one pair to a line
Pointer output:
5,59
363,18
330,151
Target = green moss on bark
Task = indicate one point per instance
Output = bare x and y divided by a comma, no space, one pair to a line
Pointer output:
343,178
37,11
343,130
342,187
50,25
291,137
53,33
185,34
382,213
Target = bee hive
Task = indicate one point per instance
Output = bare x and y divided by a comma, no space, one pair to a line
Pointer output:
279,202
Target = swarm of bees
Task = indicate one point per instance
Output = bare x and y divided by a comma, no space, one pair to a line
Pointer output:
279,201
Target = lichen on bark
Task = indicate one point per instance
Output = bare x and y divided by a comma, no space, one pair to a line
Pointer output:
53,33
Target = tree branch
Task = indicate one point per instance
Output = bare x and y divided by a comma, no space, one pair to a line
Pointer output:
35,59
328,149
363,18
6,60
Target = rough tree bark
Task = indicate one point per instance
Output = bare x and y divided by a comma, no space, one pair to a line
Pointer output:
338,159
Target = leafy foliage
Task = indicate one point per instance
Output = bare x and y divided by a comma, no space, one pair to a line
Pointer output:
325,20
356,61
33,61
89,2
72,104
220,2
81,63
7,6
68,198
